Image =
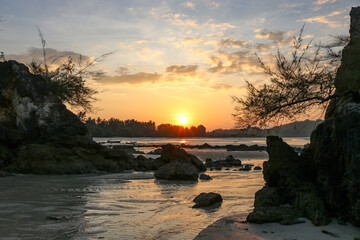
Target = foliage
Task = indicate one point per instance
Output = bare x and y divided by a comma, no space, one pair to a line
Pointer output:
132,128
67,84
297,83
68,81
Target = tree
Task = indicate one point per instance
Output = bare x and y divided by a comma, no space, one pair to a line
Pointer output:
68,81
297,84
67,84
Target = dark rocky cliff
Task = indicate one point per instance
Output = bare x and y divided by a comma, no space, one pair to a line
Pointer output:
324,181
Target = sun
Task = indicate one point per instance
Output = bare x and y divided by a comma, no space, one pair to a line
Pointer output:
183,120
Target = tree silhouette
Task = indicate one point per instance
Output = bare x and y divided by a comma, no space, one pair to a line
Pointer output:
297,83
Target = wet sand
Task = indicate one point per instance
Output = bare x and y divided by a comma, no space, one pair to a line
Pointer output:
235,227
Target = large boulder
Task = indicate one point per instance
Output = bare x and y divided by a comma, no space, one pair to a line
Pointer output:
172,153
287,195
324,181
39,135
177,171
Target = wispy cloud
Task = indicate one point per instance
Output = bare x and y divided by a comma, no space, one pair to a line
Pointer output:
324,19
321,2
180,19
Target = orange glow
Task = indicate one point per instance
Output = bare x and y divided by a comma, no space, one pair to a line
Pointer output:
183,120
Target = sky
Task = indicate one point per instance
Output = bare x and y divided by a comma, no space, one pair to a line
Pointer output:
175,62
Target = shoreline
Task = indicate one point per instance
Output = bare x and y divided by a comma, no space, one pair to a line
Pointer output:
235,227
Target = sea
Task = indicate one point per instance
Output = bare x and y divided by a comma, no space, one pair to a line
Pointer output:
130,205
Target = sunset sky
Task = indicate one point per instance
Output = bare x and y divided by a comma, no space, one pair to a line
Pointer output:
174,60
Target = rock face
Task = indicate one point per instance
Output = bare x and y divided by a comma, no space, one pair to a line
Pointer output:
207,199
287,194
324,181
39,135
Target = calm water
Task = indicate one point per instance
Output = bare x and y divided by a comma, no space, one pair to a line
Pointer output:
124,206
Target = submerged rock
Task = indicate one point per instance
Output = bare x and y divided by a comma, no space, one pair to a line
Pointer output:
207,199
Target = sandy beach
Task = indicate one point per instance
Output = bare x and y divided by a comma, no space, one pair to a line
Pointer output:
235,227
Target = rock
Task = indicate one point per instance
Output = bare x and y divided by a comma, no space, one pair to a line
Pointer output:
257,168
29,105
171,153
55,218
51,159
243,147
287,194
205,177
245,167
142,163
157,151
177,171
229,161
283,214
39,135
283,162
127,148
207,199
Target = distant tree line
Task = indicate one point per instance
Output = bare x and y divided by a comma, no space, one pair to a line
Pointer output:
132,128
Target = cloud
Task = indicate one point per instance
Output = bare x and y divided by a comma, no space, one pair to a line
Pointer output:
193,40
182,69
324,19
235,62
148,54
189,5
321,2
231,43
220,26
262,47
170,74
274,35
141,41
134,78
221,86
54,57
292,5
180,20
